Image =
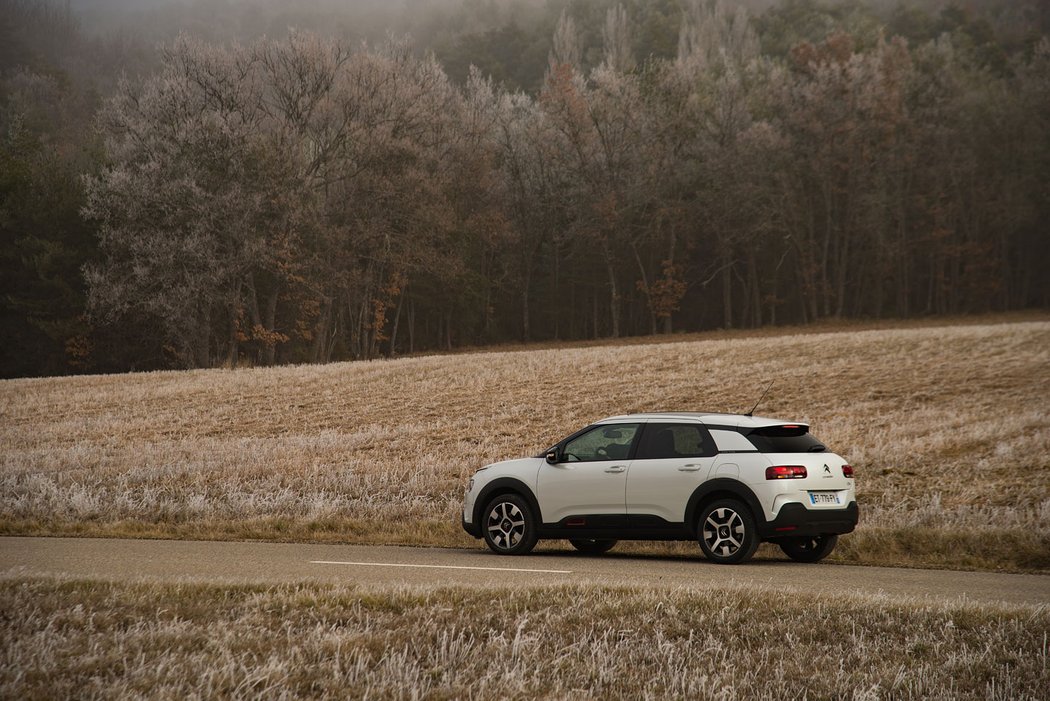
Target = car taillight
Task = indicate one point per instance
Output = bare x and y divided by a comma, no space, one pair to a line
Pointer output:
847,471
785,472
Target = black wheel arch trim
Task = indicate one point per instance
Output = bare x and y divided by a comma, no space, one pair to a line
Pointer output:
504,485
722,486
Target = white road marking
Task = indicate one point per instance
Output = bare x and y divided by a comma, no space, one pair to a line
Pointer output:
437,567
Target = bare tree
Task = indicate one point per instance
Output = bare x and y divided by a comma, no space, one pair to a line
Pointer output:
565,49
285,190
177,209
616,41
302,200
711,34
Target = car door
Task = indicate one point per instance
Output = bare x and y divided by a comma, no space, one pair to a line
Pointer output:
590,478
672,460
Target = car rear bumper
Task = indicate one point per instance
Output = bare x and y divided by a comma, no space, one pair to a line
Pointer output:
797,520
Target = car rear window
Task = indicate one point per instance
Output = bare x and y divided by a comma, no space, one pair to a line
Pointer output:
785,439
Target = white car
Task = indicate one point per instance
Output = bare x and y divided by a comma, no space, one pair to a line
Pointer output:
728,481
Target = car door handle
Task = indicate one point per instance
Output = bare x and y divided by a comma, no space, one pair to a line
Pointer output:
688,468
616,468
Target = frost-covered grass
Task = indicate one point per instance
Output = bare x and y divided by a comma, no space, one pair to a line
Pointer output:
948,427
92,639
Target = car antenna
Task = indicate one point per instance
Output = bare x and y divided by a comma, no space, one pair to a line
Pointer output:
751,413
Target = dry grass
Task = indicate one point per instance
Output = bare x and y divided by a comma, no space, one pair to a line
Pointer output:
948,427
90,639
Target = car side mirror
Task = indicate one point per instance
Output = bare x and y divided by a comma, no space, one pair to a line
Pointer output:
551,457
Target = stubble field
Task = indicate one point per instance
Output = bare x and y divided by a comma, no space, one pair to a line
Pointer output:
95,639
947,426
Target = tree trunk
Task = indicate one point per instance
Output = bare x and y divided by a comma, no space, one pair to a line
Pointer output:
557,275
525,332
363,337
317,348
269,322
527,256
614,293
594,313
231,348
648,291
397,322
825,252
411,326
727,293
841,274
756,291
672,245
202,342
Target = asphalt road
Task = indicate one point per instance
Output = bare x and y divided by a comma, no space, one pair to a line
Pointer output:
391,565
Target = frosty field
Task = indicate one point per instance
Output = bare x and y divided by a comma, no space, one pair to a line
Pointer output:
947,426
93,639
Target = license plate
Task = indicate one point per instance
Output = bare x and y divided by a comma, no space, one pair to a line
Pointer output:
823,497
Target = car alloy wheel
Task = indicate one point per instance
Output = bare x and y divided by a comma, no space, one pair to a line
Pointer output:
726,532
509,525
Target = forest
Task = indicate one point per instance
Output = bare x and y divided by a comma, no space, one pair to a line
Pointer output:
249,182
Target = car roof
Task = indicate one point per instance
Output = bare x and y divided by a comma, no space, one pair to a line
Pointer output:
713,418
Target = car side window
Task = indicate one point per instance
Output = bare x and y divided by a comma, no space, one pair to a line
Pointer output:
610,442
661,441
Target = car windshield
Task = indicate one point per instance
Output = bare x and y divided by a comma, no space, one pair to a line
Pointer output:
789,438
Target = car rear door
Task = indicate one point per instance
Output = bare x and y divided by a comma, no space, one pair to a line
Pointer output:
672,459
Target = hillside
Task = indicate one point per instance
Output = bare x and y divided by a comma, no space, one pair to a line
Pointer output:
948,428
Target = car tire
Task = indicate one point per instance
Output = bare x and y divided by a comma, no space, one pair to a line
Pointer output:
726,532
592,546
509,526
809,548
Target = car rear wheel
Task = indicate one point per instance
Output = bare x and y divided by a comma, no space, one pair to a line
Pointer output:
809,548
510,527
726,531
592,546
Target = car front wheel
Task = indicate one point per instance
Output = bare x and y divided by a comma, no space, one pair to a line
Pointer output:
726,531
809,549
591,546
510,528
